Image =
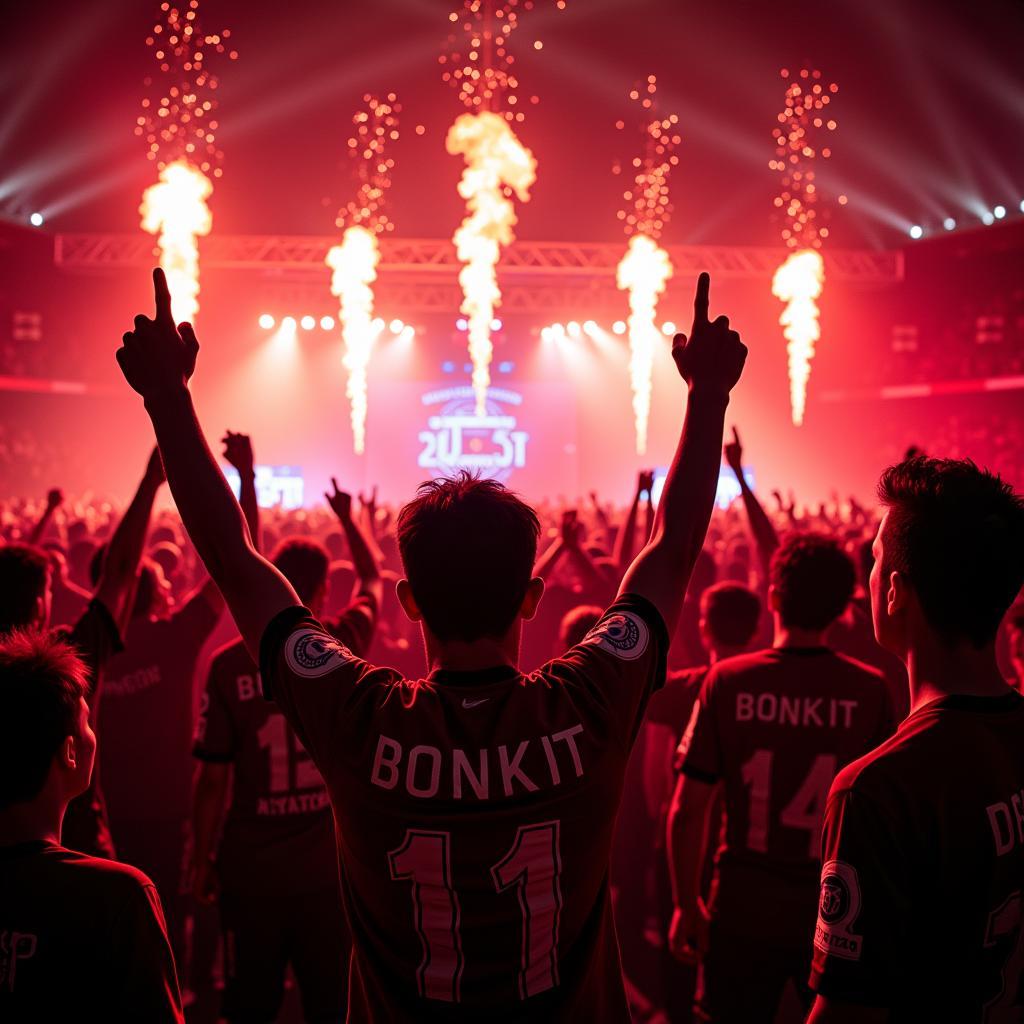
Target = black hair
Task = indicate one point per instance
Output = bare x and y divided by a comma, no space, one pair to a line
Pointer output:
24,577
813,579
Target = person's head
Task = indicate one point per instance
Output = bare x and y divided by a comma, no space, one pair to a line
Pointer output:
24,587
152,592
468,547
811,581
335,544
168,556
576,624
949,554
46,742
304,563
729,613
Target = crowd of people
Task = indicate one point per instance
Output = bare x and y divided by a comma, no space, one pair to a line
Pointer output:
737,765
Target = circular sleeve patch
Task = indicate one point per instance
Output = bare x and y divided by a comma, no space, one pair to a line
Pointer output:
312,653
623,634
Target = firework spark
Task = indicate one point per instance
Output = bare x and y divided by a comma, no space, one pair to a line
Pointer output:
354,262
180,133
799,281
646,268
498,165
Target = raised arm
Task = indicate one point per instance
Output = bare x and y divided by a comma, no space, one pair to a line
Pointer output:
157,360
761,527
625,540
363,557
710,362
117,583
238,451
54,498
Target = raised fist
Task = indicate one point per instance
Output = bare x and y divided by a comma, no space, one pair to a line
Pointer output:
54,498
157,356
733,453
238,451
711,359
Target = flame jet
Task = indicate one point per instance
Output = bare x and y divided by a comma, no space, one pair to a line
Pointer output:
495,161
354,266
798,282
175,207
643,272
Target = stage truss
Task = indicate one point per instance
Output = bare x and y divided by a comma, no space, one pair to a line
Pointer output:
420,275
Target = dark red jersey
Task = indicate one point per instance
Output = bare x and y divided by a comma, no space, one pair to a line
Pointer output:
81,939
280,813
474,815
775,727
147,716
921,903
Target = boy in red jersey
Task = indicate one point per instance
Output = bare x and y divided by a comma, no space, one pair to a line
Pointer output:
771,728
279,814
921,907
81,938
475,807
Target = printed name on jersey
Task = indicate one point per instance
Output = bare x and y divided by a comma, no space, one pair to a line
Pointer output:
312,653
838,908
623,634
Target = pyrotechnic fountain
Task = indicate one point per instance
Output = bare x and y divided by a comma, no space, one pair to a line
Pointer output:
180,132
798,282
354,261
646,267
498,165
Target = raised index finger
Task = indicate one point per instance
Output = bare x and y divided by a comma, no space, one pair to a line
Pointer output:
163,296
700,299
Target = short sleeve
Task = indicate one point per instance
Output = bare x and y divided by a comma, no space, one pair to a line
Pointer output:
619,663
96,638
863,914
699,754
149,985
311,676
355,625
216,737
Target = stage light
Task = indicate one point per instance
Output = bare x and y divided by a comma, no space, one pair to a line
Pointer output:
396,326
406,333
545,334
558,331
574,329
916,231
949,223
266,321
378,324
999,212
506,367
987,218
619,327
461,324
1022,206
668,328
496,324
327,323
308,322
590,327
288,324
36,220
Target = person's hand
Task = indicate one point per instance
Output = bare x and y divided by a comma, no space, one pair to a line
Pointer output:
369,503
644,481
54,499
340,502
155,468
711,359
205,883
571,528
733,453
688,934
157,357
238,452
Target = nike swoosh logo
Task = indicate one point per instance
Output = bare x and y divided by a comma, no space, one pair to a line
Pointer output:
467,703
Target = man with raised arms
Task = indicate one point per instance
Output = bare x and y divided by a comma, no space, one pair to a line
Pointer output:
494,903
